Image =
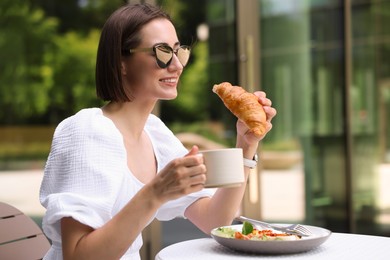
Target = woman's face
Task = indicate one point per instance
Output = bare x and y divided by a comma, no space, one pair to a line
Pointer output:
140,71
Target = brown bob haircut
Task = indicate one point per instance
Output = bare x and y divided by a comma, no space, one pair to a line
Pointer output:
121,32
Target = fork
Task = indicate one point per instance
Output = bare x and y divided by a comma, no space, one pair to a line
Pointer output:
294,229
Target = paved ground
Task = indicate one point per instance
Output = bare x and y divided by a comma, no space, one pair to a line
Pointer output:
21,189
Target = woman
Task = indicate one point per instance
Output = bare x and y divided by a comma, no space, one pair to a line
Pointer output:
112,170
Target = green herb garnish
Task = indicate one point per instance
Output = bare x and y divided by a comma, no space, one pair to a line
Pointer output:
247,228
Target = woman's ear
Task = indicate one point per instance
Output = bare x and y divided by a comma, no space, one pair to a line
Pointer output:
123,67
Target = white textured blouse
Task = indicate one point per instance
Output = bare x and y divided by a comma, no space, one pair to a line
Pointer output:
87,178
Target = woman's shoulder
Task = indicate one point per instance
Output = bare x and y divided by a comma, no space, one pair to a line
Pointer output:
89,121
81,119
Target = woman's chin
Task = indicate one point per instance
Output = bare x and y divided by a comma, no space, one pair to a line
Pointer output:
169,96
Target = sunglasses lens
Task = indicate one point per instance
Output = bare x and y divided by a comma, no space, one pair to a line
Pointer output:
163,56
183,54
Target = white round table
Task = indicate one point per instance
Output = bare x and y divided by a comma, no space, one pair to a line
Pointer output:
338,246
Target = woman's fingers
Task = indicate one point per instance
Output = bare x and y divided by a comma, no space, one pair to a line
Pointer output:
194,150
267,105
193,175
265,101
182,176
270,112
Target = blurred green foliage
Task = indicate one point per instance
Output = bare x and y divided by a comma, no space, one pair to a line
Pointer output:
25,35
44,75
48,52
71,70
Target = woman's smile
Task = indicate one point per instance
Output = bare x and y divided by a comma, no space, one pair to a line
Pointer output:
171,81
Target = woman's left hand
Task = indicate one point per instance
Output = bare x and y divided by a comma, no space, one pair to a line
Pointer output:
243,130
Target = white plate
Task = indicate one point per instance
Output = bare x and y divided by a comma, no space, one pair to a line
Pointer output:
320,235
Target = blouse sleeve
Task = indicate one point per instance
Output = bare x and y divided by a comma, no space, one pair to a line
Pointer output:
78,180
168,148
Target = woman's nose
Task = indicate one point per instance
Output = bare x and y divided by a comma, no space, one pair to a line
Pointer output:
175,64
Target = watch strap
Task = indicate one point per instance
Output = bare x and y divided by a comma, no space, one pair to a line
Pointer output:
251,163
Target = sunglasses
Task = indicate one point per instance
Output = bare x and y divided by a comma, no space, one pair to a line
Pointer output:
164,54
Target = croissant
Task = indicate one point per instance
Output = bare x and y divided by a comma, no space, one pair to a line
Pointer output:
243,105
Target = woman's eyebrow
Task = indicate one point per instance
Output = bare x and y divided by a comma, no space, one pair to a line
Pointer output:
165,43
176,44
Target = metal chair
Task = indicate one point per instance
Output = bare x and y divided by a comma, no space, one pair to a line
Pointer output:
20,237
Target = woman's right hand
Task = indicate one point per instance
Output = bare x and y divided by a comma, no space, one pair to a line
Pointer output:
180,177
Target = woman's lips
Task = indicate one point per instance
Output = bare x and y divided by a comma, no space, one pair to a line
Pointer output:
169,80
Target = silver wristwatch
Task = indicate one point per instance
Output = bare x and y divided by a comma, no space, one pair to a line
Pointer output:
251,163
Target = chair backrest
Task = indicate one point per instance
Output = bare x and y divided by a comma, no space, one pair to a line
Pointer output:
20,237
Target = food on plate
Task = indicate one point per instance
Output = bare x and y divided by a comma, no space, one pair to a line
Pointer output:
243,105
251,233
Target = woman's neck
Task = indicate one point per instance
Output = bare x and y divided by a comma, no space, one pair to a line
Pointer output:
128,117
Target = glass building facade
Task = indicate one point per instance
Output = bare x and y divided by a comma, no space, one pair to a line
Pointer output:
326,66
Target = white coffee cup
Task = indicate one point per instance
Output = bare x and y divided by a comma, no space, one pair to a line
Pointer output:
225,167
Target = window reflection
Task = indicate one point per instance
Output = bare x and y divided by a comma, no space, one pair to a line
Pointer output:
328,156
303,69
